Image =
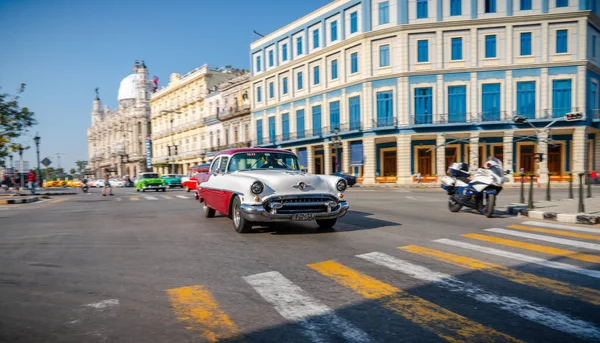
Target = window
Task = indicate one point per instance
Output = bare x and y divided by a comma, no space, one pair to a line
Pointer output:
384,55
490,6
285,85
423,105
562,3
422,51
421,9
594,96
561,97
525,5
354,109
285,126
455,7
456,44
258,63
315,39
526,44
271,90
300,85
526,99
316,79
259,132
490,102
334,69
562,41
490,46
384,12
334,116
316,117
300,123
594,51
354,63
216,163
272,129
385,109
457,104
258,94
271,58
284,52
298,46
334,31
353,22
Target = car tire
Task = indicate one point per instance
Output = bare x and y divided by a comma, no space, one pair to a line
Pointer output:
143,191
137,189
240,224
187,189
326,224
208,212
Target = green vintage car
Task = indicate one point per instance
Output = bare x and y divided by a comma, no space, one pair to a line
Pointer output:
150,181
172,180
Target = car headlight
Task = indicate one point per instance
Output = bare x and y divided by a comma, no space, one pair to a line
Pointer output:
257,188
341,185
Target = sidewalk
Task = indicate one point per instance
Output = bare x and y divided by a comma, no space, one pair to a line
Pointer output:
5,200
565,210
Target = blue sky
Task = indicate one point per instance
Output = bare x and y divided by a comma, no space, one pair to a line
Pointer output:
63,49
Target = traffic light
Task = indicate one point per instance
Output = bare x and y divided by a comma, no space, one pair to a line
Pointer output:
539,156
573,116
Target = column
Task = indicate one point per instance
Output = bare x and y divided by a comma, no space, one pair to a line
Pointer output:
581,86
439,50
440,156
579,158
344,114
438,115
474,97
367,106
327,158
369,160
403,159
507,159
310,156
582,40
508,107
509,44
473,60
403,103
346,157
544,35
474,150
542,147
544,99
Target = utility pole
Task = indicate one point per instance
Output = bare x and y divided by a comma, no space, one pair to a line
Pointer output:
58,154
336,142
37,150
21,166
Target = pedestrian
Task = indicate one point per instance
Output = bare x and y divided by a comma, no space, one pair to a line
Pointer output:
5,183
106,183
419,177
31,180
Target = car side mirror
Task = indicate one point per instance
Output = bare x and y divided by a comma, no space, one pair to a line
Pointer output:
304,170
507,171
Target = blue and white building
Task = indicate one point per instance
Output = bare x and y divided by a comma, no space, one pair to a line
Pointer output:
393,79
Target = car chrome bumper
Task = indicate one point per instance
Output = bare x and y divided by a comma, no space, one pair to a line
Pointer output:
257,213
155,187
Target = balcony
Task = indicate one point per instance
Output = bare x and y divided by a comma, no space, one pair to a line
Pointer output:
210,119
385,123
234,111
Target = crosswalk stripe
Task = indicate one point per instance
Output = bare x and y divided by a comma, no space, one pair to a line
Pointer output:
134,199
556,232
521,257
564,227
569,242
535,247
294,304
517,306
196,307
442,322
167,197
558,287
151,198
118,199
182,197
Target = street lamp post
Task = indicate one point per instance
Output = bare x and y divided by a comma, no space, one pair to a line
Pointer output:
37,151
337,141
21,165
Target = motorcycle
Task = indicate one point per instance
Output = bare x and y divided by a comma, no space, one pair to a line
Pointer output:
478,191
84,186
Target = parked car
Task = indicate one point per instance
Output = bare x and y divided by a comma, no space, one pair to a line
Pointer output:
351,179
171,180
116,183
256,185
190,183
150,181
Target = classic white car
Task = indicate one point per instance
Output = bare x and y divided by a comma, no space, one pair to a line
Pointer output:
256,185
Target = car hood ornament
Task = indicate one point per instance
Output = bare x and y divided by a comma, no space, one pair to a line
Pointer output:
301,185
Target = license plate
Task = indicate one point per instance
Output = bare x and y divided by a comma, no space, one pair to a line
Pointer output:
304,216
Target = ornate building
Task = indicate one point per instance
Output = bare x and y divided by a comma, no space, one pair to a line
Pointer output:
116,139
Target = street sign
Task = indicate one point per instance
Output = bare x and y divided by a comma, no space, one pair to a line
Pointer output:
148,153
46,162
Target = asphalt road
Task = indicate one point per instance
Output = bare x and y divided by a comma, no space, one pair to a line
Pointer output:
148,267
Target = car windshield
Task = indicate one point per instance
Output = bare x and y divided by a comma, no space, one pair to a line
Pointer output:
149,176
263,160
495,166
171,176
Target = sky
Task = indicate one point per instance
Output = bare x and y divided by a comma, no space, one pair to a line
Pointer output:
63,49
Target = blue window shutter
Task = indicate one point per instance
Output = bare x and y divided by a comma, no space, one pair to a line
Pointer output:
562,44
421,9
384,55
284,52
334,31
594,50
356,153
561,97
285,85
271,90
316,117
303,158
490,46
258,63
423,105
525,43
334,116
259,132
385,108
285,126
334,69
300,85
300,123
271,58
384,16
354,109
562,3
457,104
354,63
316,76
353,22
315,39
258,94
525,5
272,130
456,44
490,102
299,46
455,7
594,96
526,99
422,51
489,6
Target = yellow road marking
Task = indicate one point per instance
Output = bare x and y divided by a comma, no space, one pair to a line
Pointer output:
556,232
196,307
167,197
558,287
134,198
442,322
534,247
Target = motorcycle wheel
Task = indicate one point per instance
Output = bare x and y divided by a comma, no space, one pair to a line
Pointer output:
489,206
453,206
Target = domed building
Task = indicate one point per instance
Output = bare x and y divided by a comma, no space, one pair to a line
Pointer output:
117,138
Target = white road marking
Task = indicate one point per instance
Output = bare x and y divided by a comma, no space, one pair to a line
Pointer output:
564,227
293,303
550,239
118,199
89,194
521,257
104,304
182,197
520,307
151,198
411,197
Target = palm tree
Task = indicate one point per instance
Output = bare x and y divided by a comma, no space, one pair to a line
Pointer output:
81,165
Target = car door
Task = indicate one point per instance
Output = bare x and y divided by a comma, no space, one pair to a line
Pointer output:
208,193
220,200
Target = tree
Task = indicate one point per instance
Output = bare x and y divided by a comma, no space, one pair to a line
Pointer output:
72,171
81,165
14,122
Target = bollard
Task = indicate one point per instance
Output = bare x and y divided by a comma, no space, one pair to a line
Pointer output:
581,207
522,188
589,185
548,189
570,185
530,203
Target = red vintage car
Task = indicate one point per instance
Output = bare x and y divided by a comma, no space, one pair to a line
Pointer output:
190,183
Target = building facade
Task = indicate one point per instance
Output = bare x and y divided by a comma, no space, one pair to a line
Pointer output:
117,138
404,87
179,136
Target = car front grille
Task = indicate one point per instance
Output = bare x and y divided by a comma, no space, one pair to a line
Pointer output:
301,204
154,184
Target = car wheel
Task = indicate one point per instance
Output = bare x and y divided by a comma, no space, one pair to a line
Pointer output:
208,212
137,189
240,224
143,191
187,189
325,224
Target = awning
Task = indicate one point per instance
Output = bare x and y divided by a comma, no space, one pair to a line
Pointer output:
356,154
303,157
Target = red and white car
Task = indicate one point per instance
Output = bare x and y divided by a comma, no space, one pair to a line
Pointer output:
257,185
189,182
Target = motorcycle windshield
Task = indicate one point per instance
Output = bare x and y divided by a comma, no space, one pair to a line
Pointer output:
495,166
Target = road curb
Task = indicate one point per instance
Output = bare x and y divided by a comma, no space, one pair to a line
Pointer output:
19,201
571,218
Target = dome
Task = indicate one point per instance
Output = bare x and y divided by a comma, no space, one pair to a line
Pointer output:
127,87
